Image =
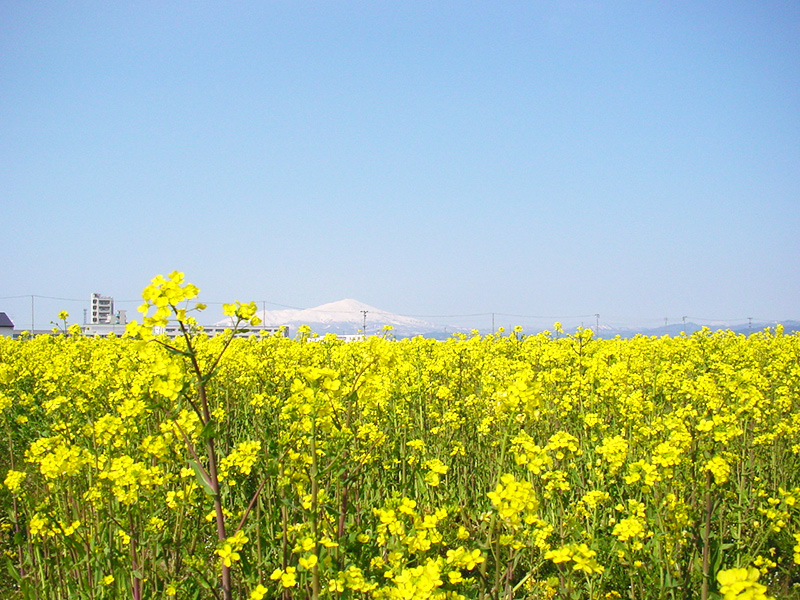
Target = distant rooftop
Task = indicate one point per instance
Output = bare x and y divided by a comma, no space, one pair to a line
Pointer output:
5,321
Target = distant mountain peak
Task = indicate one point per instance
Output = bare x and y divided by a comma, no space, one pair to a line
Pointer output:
346,306
345,316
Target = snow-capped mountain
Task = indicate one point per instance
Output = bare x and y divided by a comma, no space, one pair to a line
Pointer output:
345,317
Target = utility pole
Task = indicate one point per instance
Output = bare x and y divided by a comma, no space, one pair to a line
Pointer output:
596,323
33,321
493,323
364,330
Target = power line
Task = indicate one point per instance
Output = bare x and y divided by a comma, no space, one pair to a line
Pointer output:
44,298
724,320
486,314
544,317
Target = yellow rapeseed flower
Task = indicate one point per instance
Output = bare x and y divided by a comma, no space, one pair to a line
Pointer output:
741,584
287,578
14,480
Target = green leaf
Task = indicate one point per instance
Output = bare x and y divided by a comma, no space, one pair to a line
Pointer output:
209,430
12,570
202,478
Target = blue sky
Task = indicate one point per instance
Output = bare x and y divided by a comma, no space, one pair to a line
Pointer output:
637,160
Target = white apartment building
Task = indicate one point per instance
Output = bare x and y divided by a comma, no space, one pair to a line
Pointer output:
102,309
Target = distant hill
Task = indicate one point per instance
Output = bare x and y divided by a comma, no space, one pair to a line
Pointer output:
677,328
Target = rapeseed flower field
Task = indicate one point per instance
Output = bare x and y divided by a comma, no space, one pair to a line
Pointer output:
503,466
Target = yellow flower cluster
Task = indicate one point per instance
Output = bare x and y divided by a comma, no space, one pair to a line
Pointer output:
742,584
13,480
228,550
515,501
527,452
241,459
165,294
582,556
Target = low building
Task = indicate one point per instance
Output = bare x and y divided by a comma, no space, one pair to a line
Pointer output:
6,326
342,337
104,329
174,330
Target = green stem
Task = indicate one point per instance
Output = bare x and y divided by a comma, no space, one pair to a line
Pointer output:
315,585
709,509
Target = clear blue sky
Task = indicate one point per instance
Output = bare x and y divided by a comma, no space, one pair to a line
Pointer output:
639,160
